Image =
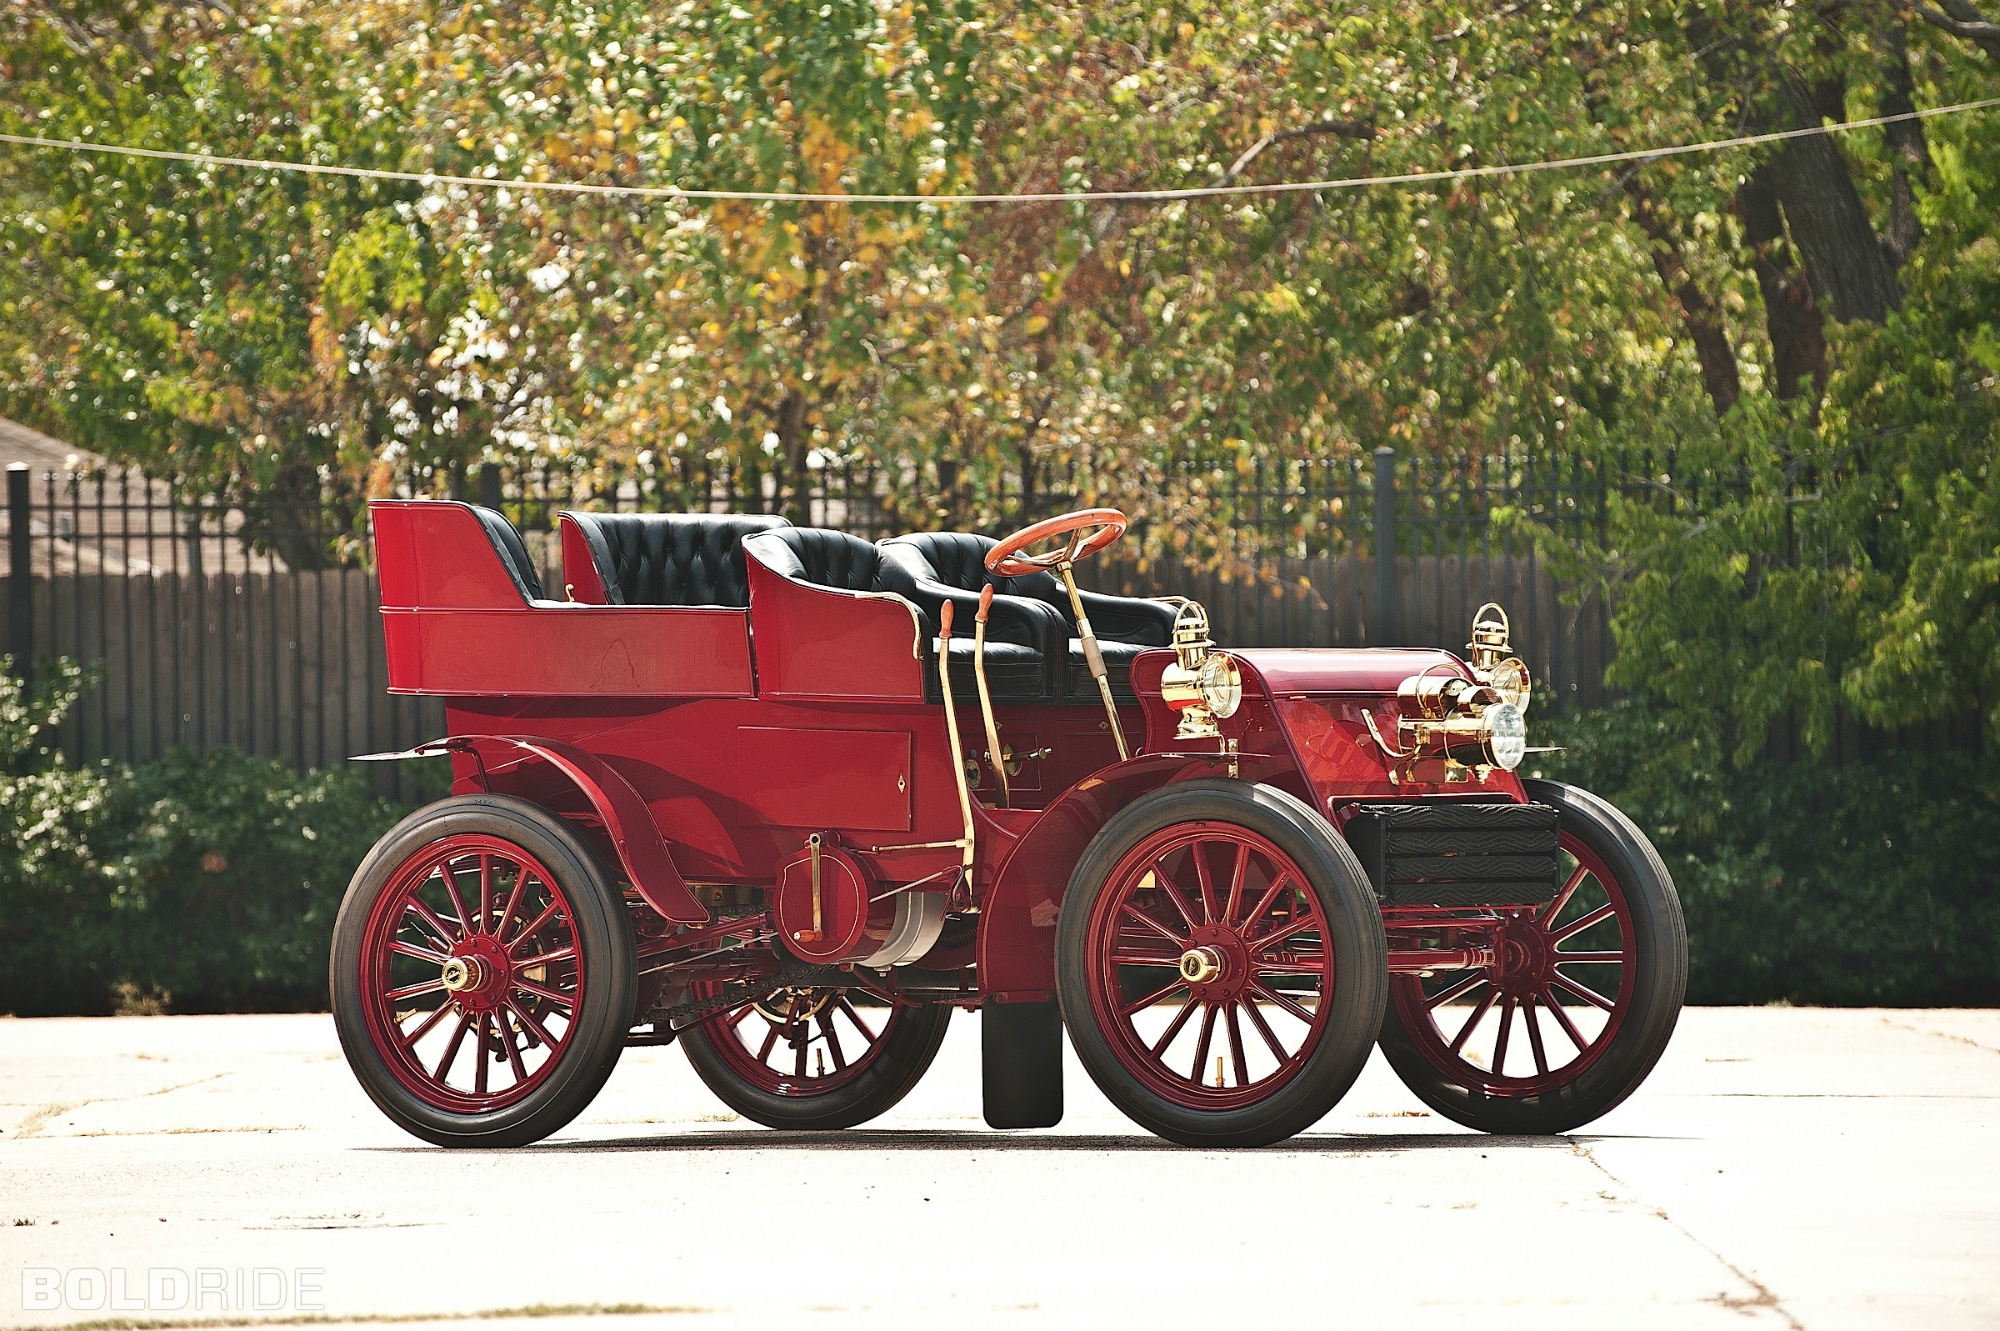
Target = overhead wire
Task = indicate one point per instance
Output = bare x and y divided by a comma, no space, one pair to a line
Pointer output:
680,193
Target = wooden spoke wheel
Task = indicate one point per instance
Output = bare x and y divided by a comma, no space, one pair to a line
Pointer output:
1579,1004
482,973
1221,964
815,1058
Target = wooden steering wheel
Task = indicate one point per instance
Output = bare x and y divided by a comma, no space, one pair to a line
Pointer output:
1089,530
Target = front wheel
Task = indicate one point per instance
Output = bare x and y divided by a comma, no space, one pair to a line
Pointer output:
483,973
1581,1004
1221,964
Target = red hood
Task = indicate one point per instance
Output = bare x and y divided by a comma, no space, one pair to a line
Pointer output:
1287,671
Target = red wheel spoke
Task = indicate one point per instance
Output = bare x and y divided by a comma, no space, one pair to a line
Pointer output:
1154,925
513,1046
740,1015
1555,1009
412,990
1459,990
1531,1014
1277,936
1554,908
1152,998
1129,957
513,900
1587,994
1506,1029
1565,958
832,1041
480,1063
556,996
450,876
1174,1027
1207,891
531,930
801,1037
438,1014
1578,925
485,891
563,953
535,1028
866,1030
1174,892
1264,1029
770,1040
1265,902
1201,1046
1236,1054
451,1050
430,917
1236,877
400,948
1296,1009
1465,1031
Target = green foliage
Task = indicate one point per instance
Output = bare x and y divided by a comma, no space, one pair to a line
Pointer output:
1869,883
205,883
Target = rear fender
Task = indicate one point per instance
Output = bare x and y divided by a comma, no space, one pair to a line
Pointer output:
1017,932
641,850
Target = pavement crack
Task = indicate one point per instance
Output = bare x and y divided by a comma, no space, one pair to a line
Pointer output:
35,1122
1942,1035
1762,1295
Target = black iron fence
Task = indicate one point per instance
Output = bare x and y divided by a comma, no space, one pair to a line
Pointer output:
215,621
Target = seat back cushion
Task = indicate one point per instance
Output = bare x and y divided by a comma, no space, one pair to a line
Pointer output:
672,558
821,556
513,552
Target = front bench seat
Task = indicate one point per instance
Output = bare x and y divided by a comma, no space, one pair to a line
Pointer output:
1016,665
1125,625
689,559
513,552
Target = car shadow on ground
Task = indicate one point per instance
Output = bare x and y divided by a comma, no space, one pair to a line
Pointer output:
974,1142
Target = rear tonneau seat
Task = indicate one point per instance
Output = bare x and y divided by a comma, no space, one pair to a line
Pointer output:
679,559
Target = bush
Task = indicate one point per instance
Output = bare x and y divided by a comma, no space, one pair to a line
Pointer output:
1869,883
203,883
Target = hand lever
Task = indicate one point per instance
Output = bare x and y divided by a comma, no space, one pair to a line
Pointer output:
994,758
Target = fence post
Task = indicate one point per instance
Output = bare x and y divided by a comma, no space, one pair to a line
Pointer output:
489,485
1385,548
20,577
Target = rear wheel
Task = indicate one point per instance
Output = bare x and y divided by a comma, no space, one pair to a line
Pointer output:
1579,1006
482,973
815,1058
1221,964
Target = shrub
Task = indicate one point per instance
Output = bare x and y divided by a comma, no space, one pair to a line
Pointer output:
1867,883
205,882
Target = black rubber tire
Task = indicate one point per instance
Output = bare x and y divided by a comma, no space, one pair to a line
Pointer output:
912,1045
1660,986
1354,927
604,933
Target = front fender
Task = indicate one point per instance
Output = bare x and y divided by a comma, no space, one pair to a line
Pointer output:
1017,926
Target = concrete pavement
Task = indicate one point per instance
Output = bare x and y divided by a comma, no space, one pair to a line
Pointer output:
1802,1168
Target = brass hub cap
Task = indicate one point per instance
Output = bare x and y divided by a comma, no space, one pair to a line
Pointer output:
1201,965
460,974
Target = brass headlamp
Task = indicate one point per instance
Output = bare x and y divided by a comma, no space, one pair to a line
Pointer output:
1450,726
1202,684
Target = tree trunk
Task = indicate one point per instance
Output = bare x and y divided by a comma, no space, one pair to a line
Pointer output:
1700,315
1791,314
1843,258
1908,153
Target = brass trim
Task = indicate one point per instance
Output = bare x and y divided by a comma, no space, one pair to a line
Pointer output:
996,758
1093,657
916,616
951,731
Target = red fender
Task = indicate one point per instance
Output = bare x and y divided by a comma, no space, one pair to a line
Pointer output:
634,835
1017,930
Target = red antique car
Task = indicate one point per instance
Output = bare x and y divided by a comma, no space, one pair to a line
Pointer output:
789,798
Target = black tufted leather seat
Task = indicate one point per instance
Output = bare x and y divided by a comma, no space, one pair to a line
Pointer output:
1125,625
1016,665
671,558
513,552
